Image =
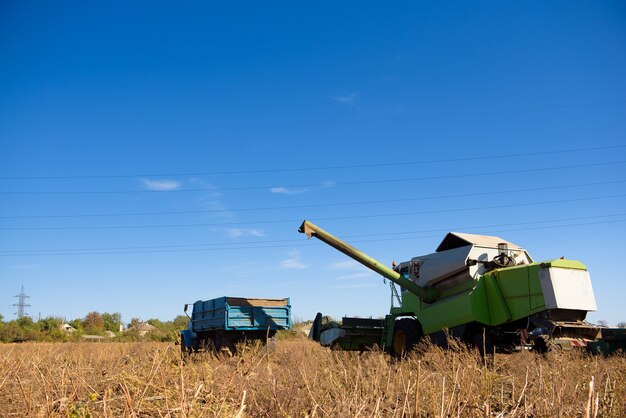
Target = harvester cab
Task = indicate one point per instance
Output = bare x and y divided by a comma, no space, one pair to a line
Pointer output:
460,258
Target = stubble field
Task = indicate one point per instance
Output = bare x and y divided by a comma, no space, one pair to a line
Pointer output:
299,378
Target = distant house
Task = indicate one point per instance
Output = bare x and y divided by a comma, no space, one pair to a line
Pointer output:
67,328
142,328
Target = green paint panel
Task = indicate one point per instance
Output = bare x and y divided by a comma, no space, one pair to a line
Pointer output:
513,283
563,263
411,303
498,311
537,302
457,310
480,302
446,314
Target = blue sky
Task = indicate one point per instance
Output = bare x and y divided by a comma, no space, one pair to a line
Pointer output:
153,154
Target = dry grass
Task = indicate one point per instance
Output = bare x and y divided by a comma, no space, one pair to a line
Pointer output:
301,378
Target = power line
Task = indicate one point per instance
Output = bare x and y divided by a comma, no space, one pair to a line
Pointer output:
320,168
319,123
305,243
448,210
221,244
347,183
308,206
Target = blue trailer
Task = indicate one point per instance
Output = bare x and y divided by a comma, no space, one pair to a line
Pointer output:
223,322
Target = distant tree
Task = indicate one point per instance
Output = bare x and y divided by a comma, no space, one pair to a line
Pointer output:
1,318
93,322
9,332
50,324
156,323
621,324
180,322
112,321
50,329
603,323
25,322
21,329
134,322
77,324
167,330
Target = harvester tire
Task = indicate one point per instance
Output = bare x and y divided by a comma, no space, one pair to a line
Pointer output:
544,343
406,334
482,341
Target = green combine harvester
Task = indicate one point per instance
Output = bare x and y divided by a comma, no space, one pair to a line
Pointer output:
480,289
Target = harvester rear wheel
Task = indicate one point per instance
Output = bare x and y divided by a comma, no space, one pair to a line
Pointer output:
483,342
545,343
406,334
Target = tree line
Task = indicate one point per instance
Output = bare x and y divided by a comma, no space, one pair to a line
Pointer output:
94,325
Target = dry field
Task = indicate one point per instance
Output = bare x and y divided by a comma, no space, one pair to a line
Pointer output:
300,378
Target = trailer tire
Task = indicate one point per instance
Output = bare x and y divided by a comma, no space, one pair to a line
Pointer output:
207,344
406,334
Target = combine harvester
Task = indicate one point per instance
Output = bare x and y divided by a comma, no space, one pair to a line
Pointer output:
483,290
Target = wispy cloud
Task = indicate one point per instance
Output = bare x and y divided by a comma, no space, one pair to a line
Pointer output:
287,190
299,190
346,99
161,185
238,232
293,262
210,200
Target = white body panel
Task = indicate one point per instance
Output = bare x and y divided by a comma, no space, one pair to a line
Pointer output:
452,264
567,289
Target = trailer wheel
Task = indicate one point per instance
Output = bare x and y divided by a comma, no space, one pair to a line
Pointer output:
207,344
407,332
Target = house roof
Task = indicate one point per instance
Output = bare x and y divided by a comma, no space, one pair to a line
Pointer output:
67,327
143,326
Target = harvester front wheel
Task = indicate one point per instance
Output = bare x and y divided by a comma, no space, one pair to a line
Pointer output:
406,334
